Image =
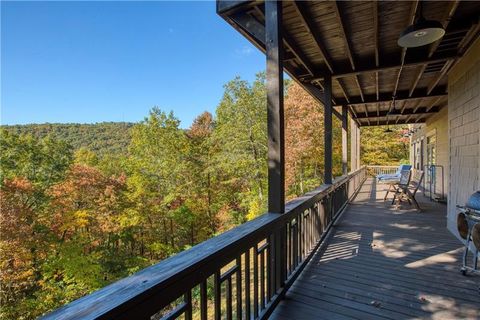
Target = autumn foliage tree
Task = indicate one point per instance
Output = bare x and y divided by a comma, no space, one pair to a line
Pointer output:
303,141
20,245
72,222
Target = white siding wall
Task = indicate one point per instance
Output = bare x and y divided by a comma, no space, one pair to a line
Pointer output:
464,131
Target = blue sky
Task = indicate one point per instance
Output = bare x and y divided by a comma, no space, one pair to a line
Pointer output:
112,61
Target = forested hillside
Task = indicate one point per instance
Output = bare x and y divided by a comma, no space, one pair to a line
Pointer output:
101,138
90,204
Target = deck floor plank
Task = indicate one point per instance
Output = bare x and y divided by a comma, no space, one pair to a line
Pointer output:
382,262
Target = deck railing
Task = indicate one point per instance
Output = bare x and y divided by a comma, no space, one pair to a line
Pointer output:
242,273
376,170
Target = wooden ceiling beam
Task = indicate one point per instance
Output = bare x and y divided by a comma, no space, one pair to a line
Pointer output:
402,110
444,70
288,42
411,19
407,112
223,6
472,34
359,88
348,46
254,31
434,103
404,105
385,122
391,65
409,117
292,46
419,102
346,40
366,114
300,9
401,96
420,118
353,115
375,43
417,78
337,113
448,16
344,91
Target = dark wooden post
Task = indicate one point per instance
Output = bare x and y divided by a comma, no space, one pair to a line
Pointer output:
276,145
358,147
344,140
328,178
353,145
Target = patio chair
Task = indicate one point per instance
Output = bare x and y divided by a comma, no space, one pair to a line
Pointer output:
409,190
404,179
393,176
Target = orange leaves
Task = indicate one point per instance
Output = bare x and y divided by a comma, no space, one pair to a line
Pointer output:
202,126
303,138
85,199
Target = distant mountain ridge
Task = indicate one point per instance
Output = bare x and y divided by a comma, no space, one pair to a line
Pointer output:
101,138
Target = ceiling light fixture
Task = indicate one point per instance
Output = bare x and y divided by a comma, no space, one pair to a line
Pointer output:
421,33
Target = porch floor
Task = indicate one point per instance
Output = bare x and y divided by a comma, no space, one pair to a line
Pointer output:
385,263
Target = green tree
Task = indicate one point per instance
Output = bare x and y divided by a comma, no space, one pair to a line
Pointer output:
157,167
378,147
86,157
41,161
29,166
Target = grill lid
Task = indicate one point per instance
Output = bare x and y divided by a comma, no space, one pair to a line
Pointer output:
474,201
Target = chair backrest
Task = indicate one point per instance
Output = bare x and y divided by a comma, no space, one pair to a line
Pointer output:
405,177
416,180
403,167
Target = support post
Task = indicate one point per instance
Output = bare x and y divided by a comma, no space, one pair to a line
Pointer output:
353,145
344,140
276,143
358,147
328,177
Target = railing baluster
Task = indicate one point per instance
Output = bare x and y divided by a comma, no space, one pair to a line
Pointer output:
255,281
247,284
218,296
228,297
295,244
300,237
262,279
292,249
270,268
239,287
188,302
310,223
203,300
310,231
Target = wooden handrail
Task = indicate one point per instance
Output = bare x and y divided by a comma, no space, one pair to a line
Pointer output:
289,239
377,169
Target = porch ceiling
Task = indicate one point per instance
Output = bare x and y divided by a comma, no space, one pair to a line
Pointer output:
356,43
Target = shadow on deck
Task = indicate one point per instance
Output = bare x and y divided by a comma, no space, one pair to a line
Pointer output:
385,263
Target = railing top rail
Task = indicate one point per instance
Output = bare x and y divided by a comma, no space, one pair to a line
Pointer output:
379,166
187,267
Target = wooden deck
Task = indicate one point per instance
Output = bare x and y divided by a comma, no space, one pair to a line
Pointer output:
385,263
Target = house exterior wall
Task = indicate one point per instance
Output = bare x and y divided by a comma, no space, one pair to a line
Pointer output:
435,126
464,131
